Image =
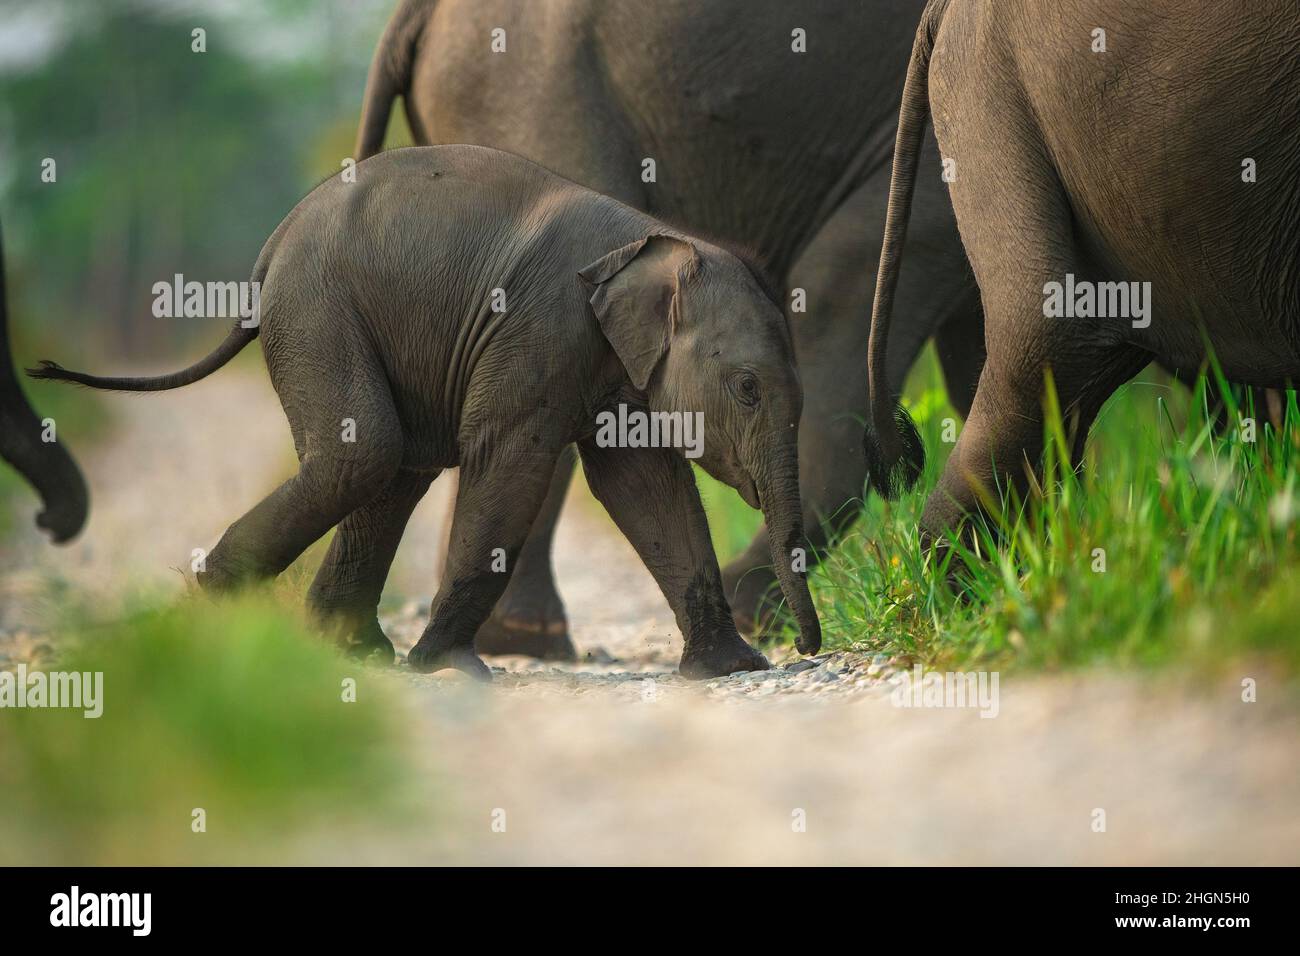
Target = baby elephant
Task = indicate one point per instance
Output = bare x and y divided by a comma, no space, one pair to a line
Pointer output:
460,306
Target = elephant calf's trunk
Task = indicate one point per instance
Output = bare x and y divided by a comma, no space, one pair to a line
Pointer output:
790,558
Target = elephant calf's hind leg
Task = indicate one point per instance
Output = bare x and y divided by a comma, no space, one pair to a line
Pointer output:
335,477
345,594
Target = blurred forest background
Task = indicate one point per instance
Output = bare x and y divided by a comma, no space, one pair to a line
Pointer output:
168,160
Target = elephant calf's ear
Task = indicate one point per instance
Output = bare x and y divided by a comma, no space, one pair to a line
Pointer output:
634,288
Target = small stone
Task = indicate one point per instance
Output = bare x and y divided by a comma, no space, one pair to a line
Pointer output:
798,667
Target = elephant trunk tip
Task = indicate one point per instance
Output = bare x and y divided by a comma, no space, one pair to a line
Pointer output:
65,506
61,524
809,641
794,554
778,490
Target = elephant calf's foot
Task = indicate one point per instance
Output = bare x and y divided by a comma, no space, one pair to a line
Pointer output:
431,655
369,643
216,581
530,622
723,655
223,573
358,636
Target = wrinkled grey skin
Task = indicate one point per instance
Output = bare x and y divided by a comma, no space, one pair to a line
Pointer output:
784,153
377,307
1124,165
47,466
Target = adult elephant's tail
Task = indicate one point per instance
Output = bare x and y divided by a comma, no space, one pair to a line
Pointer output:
390,74
895,455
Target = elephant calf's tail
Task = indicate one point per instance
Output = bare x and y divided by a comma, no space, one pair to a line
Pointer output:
235,341
390,75
895,454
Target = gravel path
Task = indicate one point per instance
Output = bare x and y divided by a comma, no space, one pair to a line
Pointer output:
618,760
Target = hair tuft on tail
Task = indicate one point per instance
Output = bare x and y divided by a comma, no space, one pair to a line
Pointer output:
891,478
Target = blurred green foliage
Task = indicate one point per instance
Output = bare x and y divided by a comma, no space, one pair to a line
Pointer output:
235,708
168,160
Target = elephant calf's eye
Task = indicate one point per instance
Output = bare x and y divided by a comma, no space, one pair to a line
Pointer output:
747,390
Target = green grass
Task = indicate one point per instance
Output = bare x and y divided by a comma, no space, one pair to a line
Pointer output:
1202,561
231,707
732,523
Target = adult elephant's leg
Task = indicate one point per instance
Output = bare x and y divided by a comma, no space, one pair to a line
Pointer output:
1002,441
529,618
1260,404
1017,254
345,593
960,347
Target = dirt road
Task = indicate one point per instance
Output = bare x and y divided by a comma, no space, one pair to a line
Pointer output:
617,760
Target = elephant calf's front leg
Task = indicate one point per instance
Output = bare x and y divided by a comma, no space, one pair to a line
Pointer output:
650,493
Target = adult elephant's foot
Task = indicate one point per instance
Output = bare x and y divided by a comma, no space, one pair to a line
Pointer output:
529,620
431,654
754,595
722,655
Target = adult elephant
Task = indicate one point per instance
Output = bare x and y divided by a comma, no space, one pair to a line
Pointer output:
46,465
1144,157
750,121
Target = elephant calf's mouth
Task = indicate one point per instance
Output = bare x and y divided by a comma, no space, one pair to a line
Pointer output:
749,492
